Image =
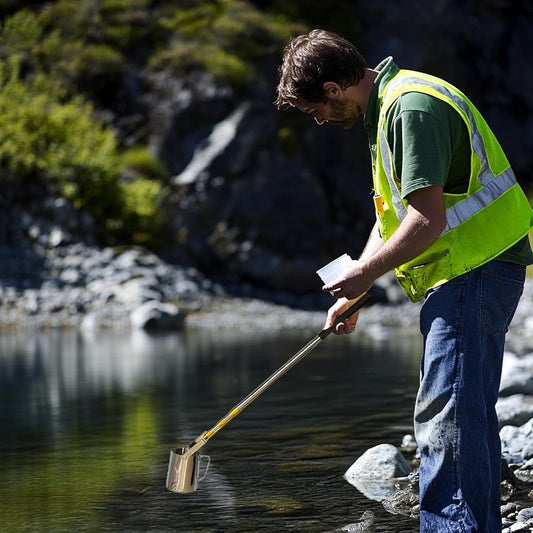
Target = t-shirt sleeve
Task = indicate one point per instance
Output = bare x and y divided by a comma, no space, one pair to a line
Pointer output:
421,143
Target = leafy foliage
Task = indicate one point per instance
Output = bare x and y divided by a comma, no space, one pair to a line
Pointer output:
57,141
142,216
44,137
210,36
140,162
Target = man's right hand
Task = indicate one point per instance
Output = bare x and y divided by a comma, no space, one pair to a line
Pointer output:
346,327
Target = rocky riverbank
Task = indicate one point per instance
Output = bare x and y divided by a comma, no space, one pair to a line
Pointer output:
389,474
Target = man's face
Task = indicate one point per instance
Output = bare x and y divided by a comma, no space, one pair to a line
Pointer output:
339,111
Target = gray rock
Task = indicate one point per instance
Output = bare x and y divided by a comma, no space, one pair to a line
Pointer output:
409,444
527,451
514,410
157,316
514,440
90,322
519,527
517,375
509,509
525,471
525,515
403,502
375,473
366,525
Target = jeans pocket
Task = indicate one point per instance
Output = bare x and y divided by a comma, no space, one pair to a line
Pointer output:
499,299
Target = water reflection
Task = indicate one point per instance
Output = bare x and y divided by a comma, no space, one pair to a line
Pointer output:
88,422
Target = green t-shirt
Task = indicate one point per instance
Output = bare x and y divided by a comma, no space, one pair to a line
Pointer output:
431,146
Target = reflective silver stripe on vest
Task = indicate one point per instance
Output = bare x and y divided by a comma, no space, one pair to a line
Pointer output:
399,206
492,186
469,206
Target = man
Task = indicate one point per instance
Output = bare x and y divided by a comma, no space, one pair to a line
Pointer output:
453,223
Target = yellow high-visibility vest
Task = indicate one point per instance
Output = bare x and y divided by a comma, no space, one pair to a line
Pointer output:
491,216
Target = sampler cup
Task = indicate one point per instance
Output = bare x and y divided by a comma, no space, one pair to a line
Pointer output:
184,471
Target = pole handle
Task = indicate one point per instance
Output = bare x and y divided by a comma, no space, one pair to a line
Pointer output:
202,439
346,314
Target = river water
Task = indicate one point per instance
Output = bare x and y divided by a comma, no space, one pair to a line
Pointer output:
88,422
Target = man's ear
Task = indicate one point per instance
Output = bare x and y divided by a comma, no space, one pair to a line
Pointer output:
331,88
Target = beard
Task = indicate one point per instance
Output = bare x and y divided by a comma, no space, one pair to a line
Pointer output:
346,113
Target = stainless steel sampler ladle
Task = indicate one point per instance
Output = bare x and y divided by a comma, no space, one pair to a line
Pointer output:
184,463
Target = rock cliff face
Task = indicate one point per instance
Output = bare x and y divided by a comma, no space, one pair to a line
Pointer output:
267,197
260,195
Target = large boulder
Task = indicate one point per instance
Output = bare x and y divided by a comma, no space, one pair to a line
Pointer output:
375,473
514,410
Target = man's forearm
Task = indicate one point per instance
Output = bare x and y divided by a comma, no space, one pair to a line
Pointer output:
374,243
423,223
413,236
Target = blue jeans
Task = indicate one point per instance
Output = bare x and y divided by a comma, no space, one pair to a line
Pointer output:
463,323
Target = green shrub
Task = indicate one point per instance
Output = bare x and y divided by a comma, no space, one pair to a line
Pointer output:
126,23
20,32
74,19
225,38
43,137
142,192
224,66
141,223
20,36
99,66
80,44
247,32
60,142
139,161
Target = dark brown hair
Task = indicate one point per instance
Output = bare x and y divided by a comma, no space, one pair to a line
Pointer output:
313,59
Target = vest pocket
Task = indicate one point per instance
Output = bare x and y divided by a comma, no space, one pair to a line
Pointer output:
431,260
417,278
